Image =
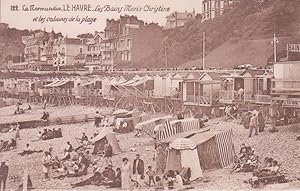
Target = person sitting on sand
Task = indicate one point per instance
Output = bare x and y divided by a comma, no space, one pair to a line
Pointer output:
28,149
69,147
12,144
59,133
1,144
110,176
270,171
44,117
67,155
116,183
243,151
178,183
40,135
96,179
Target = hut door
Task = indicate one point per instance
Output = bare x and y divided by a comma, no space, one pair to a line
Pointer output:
201,89
239,83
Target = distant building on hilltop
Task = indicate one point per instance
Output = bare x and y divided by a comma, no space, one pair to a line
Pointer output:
178,19
214,8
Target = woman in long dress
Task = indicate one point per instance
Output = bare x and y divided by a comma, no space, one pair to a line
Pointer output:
17,135
125,174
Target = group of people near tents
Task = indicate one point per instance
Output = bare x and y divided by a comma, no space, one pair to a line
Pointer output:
68,165
247,161
134,175
50,134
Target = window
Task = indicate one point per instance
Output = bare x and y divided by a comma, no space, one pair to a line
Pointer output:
128,43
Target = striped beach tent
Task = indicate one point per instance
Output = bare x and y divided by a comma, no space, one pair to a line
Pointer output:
170,128
149,125
215,148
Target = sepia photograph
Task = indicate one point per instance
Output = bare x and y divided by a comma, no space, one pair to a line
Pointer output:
149,95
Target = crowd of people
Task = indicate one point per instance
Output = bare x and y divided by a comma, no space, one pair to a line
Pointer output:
247,161
129,176
49,134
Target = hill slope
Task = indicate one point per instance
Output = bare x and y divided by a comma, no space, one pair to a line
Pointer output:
11,42
251,24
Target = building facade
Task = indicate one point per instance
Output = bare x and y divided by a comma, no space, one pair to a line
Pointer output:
178,19
214,8
65,51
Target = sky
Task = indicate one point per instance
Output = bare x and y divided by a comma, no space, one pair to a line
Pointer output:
66,23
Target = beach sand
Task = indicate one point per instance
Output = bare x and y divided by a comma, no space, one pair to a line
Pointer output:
282,146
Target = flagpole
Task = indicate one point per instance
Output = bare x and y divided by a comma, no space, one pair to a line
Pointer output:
275,48
203,51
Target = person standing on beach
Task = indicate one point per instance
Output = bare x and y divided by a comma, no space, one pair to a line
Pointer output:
97,119
125,174
260,120
45,104
46,164
17,135
138,168
3,175
253,124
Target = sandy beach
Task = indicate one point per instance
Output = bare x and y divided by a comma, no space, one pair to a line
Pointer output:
282,146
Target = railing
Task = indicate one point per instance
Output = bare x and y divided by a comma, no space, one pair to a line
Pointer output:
286,84
199,100
262,98
94,63
231,95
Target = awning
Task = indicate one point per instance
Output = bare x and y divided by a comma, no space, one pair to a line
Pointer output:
140,125
88,83
140,81
52,83
61,83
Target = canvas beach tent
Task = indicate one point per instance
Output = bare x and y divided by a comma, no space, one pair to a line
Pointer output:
99,141
215,148
183,154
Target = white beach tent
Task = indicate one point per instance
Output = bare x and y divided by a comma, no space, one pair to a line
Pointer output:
106,135
183,154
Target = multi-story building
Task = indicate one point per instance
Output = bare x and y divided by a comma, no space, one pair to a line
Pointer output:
178,19
214,8
35,46
65,51
129,41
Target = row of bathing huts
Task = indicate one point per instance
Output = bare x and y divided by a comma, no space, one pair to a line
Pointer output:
153,91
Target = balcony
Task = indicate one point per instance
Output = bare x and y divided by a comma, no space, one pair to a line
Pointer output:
198,100
234,96
92,63
285,86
